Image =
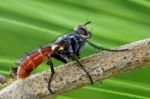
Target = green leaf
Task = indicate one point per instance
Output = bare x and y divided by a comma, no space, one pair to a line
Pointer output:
26,24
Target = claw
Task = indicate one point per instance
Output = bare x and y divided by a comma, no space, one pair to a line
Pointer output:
50,90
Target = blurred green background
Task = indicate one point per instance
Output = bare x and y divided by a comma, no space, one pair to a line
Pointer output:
26,24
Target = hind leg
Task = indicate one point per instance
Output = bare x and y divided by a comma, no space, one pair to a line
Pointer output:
13,72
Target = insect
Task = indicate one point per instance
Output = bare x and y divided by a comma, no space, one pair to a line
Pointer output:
66,47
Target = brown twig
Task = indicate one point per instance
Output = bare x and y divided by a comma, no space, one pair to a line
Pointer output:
70,76
2,79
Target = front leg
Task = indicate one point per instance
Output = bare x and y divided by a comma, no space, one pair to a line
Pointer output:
101,48
50,63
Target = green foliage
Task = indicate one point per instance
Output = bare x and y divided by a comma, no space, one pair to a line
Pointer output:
25,24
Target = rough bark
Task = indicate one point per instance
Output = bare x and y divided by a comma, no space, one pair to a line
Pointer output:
2,79
70,76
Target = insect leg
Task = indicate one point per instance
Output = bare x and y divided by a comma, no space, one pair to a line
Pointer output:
76,59
13,72
50,63
101,48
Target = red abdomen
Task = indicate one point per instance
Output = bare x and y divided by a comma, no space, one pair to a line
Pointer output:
31,61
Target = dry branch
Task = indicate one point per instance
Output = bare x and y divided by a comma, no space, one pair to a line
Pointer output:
2,79
70,76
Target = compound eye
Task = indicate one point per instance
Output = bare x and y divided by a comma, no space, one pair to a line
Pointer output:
82,31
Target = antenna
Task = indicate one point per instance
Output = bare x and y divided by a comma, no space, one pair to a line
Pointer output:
88,22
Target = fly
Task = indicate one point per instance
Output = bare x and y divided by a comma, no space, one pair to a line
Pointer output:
66,47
